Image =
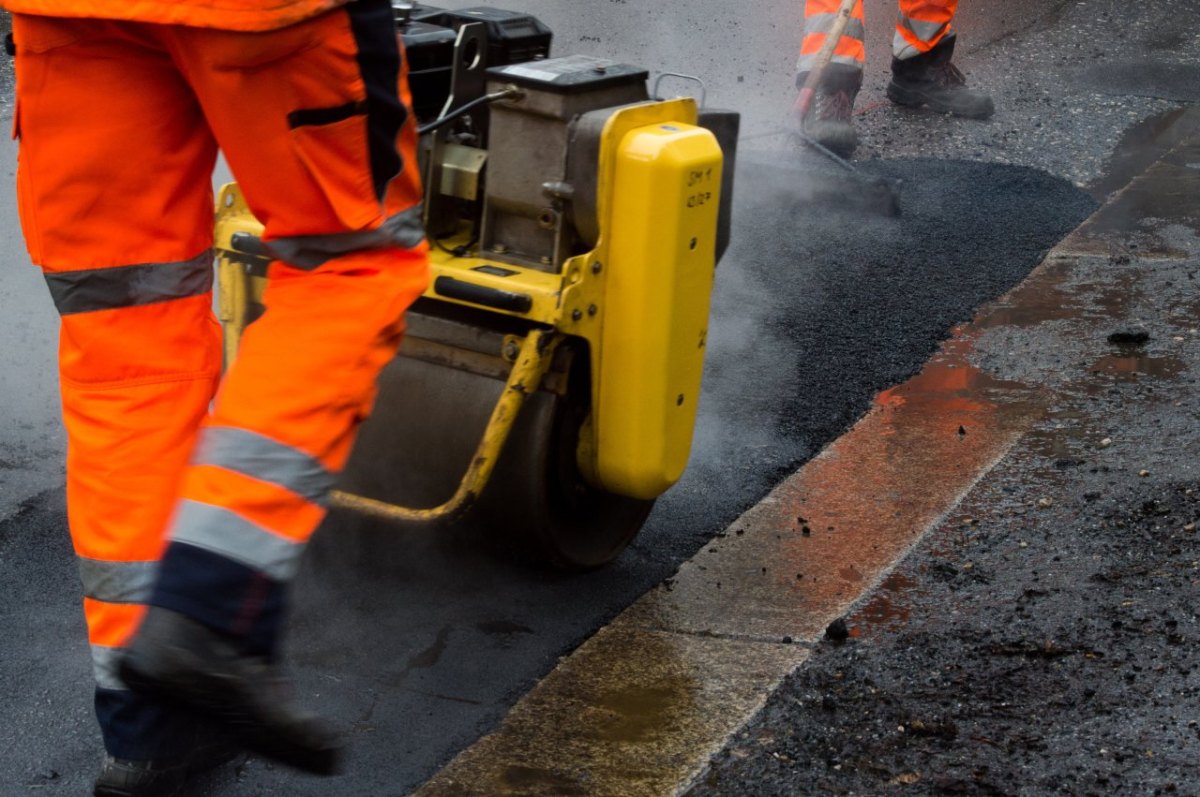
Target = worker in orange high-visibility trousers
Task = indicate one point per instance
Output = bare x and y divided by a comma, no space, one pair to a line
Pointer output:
190,499
922,72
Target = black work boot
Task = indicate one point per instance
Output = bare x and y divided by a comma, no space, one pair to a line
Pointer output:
930,80
164,777
177,659
121,778
828,119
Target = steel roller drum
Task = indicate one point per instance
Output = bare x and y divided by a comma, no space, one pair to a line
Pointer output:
427,421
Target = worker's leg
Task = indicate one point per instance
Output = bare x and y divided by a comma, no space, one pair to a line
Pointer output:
828,119
922,75
922,25
313,125
115,200
309,118
819,16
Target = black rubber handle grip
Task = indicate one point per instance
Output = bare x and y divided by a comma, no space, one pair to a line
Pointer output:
453,288
249,244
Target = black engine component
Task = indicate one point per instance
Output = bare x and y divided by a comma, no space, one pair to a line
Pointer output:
429,50
513,37
429,35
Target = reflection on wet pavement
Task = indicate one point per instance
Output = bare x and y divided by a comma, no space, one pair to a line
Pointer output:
1129,367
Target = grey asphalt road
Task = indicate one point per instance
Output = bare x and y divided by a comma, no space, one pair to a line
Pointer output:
417,646
31,439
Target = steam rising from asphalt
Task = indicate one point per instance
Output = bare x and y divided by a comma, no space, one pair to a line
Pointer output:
749,363
746,57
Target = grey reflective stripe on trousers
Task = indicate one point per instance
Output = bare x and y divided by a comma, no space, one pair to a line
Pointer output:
225,533
104,667
823,23
259,457
130,286
406,230
806,62
117,582
927,32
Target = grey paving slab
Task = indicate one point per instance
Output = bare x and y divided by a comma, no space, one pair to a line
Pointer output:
628,715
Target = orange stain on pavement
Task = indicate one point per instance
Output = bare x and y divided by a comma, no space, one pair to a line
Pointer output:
871,495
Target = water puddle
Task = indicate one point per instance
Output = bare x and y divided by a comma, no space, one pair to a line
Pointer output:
518,779
1039,299
422,660
1131,366
1141,146
637,714
502,628
850,574
1112,298
888,607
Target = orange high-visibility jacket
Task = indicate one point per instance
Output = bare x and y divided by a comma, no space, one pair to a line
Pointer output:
241,15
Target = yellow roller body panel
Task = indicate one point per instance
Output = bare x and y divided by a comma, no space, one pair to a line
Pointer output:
661,249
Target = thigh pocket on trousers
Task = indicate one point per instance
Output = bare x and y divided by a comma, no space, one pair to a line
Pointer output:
332,144
40,34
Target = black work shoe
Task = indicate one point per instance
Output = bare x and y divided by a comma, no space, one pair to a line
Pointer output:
930,80
175,658
121,778
828,120
163,777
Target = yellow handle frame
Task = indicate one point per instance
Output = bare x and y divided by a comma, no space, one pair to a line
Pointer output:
537,350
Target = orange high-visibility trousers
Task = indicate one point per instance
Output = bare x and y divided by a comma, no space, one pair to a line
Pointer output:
174,498
921,26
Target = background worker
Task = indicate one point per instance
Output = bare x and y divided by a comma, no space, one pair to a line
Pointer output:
189,507
922,73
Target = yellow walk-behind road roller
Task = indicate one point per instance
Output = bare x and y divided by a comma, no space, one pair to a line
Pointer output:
547,386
